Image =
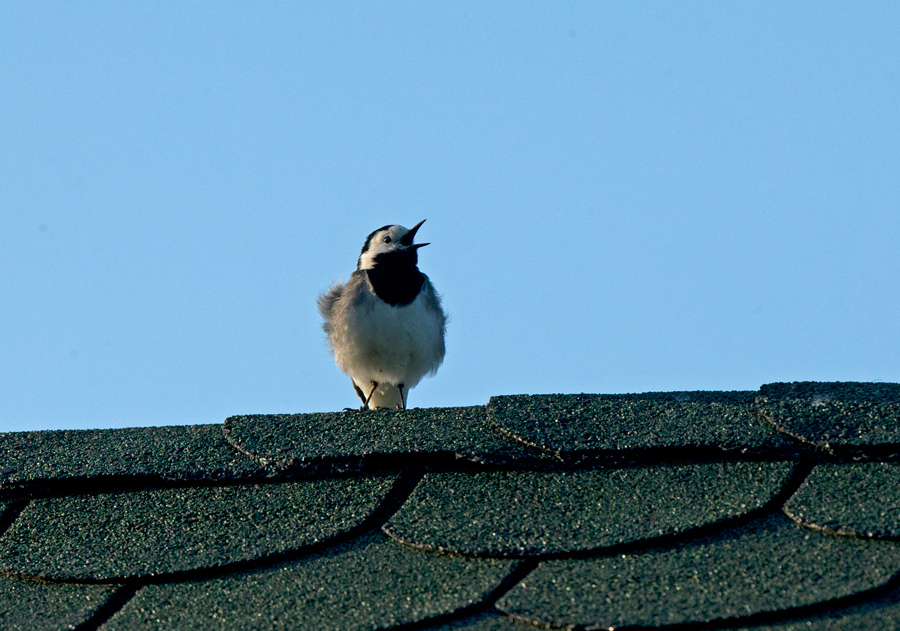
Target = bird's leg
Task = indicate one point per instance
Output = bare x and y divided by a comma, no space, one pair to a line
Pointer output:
402,400
371,392
359,392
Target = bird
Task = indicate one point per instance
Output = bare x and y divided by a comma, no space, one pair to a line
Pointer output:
385,325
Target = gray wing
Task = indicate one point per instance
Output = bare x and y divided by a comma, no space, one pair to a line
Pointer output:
433,304
326,304
334,302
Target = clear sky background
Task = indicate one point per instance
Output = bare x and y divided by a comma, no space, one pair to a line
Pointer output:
620,196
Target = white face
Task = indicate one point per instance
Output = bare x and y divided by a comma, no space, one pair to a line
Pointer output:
383,240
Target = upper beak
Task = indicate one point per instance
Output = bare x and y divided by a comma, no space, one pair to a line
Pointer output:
409,236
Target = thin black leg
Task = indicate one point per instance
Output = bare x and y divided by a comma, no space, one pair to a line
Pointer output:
359,392
371,392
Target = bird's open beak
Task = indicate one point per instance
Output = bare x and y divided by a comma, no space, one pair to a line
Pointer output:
409,236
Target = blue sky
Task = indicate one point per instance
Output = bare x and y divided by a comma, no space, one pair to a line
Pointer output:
620,197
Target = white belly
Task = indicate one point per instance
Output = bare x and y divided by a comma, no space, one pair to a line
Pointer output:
390,345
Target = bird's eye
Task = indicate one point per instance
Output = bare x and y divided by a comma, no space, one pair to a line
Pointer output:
387,239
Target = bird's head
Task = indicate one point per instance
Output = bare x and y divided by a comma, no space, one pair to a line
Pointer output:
394,243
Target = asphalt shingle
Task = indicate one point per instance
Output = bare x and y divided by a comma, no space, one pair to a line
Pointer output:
573,425
849,417
110,536
689,508
372,583
853,499
484,622
36,606
766,566
885,618
196,452
354,438
506,513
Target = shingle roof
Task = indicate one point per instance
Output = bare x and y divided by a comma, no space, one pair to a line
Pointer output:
776,509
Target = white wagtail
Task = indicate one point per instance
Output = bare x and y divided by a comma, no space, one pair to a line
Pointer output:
386,325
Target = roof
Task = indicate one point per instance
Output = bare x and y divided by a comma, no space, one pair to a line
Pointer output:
774,509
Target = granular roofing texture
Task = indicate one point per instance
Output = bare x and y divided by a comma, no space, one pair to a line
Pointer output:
769,510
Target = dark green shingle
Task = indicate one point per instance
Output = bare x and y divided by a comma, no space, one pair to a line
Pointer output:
853,499
107,536
354,437
592,510
509,513
484,622
766,566
36,606
886,618
196,452
561,424
836,416
372,583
